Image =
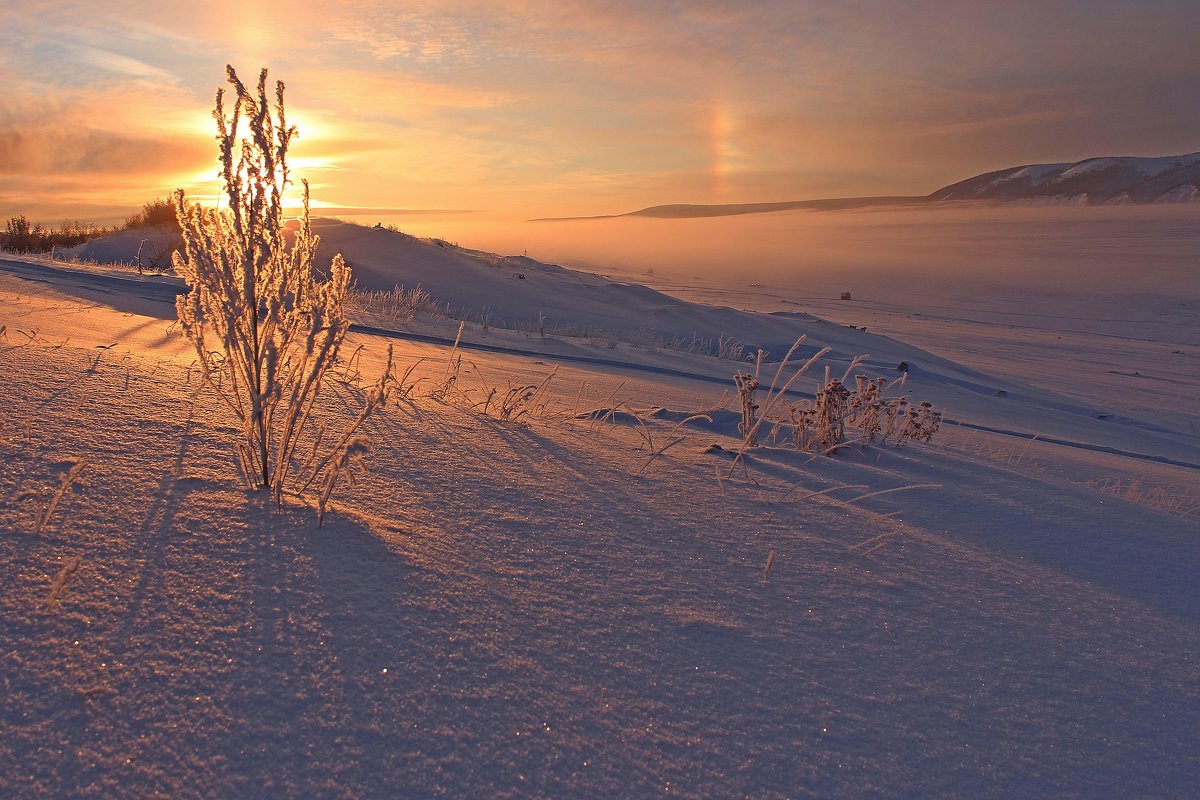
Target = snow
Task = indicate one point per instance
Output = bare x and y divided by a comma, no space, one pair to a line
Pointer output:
153,244
1035,184
1141,166
1030,175
1036,172
1180,194
542,608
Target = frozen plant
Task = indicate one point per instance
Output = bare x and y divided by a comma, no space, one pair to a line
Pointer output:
399,305
753,416
266,332
921,423
730,349
820,425
747,388
866,403
832,407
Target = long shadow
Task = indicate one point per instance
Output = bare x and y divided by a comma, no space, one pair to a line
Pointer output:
1082,535
345,652
152,297
156,526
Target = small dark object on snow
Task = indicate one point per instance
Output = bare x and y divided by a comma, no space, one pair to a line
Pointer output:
519,276
845,295
902,367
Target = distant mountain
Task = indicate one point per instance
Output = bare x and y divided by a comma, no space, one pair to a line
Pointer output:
689,210
1093,182
1110,180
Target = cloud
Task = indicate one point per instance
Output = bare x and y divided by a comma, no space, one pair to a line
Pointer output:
542,103
120,64
65,150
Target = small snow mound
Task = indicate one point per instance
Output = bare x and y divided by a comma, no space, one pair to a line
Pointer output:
614,416
697,418
154,244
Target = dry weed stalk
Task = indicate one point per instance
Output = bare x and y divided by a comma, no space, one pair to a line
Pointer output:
266,332
65,482
453,367
351,445
1173,500
865,548
747,388
59,585
399,305
752,422
820,426
868,495
520,400
672,438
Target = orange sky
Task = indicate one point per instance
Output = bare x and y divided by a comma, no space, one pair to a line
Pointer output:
569,107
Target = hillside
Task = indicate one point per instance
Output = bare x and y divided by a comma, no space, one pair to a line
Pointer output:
541,608
1093,181
586,317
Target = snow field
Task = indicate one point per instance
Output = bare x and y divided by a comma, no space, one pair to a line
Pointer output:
505,609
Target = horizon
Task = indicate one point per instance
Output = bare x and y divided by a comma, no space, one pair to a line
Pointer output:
468,480
568,110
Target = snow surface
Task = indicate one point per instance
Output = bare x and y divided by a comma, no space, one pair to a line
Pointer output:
1102,181
539,608
1142,167
123,247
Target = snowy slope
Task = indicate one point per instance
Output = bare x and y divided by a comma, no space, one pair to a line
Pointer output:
1094,181
578,305
518,609
153,245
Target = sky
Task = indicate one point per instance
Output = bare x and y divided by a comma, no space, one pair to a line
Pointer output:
571,107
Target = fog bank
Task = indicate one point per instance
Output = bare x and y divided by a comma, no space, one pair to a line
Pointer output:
1148,248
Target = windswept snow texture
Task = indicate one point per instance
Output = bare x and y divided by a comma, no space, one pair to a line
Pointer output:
544,609
558,607
1095,181
513,291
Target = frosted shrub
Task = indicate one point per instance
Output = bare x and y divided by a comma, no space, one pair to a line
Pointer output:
747,388
866,405
921,423
832,406
266,332
754,415
820,425
398,305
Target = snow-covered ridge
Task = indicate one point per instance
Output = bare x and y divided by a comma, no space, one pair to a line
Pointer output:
1093,181
1123,180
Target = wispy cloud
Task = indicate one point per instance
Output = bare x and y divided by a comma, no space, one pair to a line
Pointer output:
564,106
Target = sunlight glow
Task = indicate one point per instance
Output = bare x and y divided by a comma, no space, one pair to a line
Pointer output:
720,148
441,104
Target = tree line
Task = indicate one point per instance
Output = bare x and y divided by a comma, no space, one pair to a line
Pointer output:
20,236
